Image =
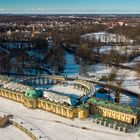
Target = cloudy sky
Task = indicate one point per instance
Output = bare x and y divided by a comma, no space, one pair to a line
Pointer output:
70,6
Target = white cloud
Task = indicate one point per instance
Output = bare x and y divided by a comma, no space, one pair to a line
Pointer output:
38,9
2,9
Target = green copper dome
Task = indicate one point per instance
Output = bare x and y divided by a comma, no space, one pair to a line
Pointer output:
33,93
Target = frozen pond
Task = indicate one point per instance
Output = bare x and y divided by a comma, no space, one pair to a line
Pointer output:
125,98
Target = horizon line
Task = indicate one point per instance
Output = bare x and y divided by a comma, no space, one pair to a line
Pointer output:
28,13
69,11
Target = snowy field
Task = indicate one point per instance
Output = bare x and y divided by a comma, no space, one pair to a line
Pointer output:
133,62
131,80
59,128
121,49
67,90
12,133
137,59
106,37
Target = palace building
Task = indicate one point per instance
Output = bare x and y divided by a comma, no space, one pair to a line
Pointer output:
114,111
55,102
63,104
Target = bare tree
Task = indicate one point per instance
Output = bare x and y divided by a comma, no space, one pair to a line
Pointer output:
110,78
118,85
113,57
83,69
116,80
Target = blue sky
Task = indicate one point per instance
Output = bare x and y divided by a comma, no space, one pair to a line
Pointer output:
69,6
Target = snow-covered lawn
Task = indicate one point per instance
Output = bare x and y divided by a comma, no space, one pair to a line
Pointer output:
69,90
133,62
137,59
59,128
121,49
106,37
12,133
131,78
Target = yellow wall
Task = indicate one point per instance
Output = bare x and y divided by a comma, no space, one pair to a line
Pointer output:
66,111
16,96
30,103
117,115
83,113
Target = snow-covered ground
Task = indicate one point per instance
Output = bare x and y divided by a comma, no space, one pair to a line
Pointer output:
12,133
137,59
58,128
131,81
106,37
133,62
121,49
69,90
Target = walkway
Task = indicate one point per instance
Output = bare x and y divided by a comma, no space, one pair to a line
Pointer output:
27,126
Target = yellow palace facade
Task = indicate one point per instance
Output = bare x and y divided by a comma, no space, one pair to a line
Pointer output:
114,111
33,103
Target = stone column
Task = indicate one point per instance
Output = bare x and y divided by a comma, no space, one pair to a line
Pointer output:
95,120
56,110
104,123
67,113
114,126
62,112
124,129
119,128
